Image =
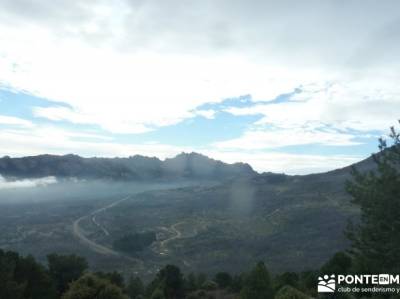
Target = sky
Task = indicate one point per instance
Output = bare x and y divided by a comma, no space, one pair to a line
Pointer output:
292,87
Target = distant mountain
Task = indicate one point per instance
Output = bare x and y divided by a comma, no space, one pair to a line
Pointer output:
184,165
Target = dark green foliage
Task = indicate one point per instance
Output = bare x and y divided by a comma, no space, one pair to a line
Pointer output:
201,279
172,281
209,285
223,279
23,277
237,283
64,269
191,282
168,283
258,284
287,279
340,263
90,286
289,292
134,242
376,239
135,287
158,294
113,277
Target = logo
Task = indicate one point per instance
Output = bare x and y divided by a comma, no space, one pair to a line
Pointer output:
359,283
326,284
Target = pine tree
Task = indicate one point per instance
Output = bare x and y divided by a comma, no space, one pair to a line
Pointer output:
135,287
258,284
376,238
65,269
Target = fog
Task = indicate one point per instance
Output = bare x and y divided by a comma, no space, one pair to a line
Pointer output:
53,189
26,183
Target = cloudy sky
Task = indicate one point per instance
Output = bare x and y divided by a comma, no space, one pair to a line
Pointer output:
287,86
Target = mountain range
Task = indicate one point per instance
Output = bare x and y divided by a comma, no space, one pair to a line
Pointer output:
184,165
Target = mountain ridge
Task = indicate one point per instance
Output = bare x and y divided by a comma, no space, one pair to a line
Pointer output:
137,167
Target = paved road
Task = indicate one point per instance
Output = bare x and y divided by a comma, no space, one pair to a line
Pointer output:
93,245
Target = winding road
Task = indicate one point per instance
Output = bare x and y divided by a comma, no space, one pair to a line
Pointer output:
99,248
177,234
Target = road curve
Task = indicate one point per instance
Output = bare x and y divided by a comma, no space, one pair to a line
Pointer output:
101,249
177,234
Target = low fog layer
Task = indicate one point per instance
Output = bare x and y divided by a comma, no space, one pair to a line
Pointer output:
26,183
53,189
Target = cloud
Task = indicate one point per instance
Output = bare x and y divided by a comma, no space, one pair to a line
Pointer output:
312,32
360,106
285,163
106,121
54,140
129,67
15,121
267,139
26,183
209,114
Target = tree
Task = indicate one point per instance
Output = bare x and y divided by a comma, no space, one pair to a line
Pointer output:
257,284
237,283
90,286
307,282
135,287
209,285
38,283
191,282
169,281
64,269
158,294
376,238
201,279
113,277
287,279
22,277
223,279
288,292
340,263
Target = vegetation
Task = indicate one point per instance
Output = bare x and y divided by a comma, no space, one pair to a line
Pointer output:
223,279
168,283
65,269
22,277
90,286
258,284
134,242
29,279
135,288
376,239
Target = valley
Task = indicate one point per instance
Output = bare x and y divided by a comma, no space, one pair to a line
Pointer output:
200,225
